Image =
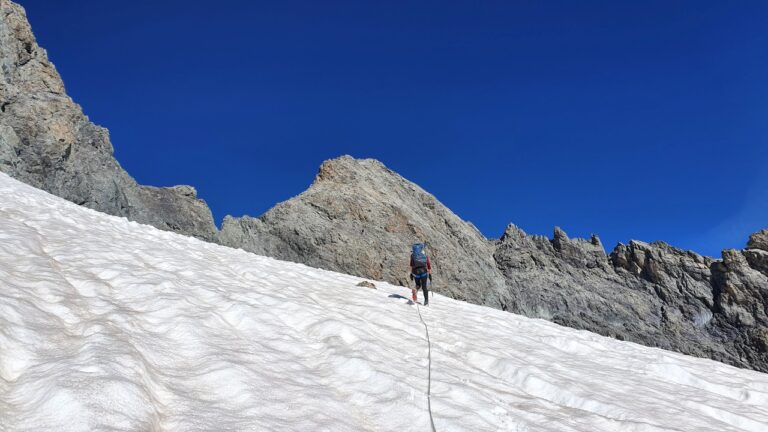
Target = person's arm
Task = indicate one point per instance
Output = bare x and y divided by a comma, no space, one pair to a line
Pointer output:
429,270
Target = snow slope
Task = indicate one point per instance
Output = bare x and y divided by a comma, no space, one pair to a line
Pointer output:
110,325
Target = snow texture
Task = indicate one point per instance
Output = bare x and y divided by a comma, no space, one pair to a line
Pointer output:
107,324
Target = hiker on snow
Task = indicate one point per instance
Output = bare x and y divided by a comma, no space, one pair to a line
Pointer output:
421,271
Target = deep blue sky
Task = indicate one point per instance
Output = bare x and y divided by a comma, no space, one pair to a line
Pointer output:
645,120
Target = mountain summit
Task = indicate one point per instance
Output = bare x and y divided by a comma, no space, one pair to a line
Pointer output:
359,217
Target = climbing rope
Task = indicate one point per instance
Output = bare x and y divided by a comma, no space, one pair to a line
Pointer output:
429,370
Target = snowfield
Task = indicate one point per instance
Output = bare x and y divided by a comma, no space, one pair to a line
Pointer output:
106,324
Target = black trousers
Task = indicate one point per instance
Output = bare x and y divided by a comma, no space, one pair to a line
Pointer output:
422,283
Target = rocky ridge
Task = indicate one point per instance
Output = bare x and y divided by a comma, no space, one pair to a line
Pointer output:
649,293
359,217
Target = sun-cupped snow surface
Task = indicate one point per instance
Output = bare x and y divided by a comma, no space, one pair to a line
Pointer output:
106,324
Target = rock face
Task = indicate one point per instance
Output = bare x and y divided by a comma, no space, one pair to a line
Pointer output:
358,217
740,283
651,294
758,241
47,142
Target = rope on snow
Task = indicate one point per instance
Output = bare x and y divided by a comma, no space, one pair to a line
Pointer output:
429,371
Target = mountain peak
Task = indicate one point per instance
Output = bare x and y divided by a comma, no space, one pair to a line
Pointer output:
360,217
25,64
347,169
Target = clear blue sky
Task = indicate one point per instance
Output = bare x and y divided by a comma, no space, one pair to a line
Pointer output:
641,119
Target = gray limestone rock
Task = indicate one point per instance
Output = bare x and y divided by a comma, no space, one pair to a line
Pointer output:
758,240
757,259
651,294
741,305
47,142
741,291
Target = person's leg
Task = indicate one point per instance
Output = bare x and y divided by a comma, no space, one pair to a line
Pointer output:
421,283
426,291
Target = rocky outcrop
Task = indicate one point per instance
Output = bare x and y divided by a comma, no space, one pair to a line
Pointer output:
47,142
651,294
740,283
359,217
758,241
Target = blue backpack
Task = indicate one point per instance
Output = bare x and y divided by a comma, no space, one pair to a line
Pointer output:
418,259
